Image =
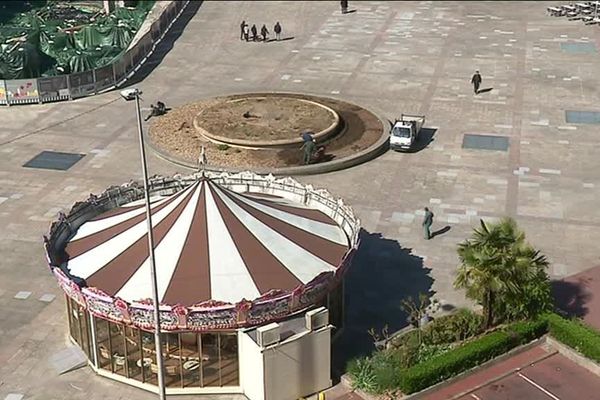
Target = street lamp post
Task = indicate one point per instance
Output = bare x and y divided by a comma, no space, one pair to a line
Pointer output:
131,94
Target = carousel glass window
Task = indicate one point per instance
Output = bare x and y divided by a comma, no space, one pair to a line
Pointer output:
79,327
150,373
103,344
192,359
133,349
210,368
117,345
172,359
336,306
229,359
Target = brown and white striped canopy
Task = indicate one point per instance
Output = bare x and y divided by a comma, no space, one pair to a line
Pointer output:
211,243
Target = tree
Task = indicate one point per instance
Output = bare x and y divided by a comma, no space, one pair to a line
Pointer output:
503,273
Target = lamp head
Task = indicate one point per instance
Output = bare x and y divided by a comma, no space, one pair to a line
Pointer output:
130,94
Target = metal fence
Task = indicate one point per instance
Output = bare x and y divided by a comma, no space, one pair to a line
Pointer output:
87,83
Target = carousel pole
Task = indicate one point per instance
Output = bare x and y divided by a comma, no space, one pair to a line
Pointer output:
131,94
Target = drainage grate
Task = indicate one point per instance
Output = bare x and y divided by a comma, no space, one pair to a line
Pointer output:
582,117
485,142
578,47
54,160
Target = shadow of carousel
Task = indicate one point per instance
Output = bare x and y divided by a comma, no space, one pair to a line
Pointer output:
382,275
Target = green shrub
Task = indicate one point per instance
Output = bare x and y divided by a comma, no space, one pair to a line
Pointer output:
412,338
362,374
575,334
377,373
413,367
529,330
459,326
469,355
386,366
222,147
456,361
428,351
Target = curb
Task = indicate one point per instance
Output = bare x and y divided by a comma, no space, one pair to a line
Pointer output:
373,151
574,356
347,382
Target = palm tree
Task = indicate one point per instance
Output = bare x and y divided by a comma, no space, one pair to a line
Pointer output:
498,269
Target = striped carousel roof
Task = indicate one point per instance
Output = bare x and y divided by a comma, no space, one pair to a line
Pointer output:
211,243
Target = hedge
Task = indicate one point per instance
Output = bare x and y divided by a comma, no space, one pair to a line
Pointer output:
469,355
575,334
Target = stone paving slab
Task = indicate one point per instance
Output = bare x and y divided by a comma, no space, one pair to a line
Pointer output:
390,57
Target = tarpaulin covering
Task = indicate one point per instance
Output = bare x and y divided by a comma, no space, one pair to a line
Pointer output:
58,38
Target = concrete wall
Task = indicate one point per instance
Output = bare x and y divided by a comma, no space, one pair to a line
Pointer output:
298,367
251,367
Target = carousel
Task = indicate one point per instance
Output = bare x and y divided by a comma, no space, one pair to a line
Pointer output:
233,253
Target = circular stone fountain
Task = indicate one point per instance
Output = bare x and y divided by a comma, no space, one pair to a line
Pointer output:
261,132
266,122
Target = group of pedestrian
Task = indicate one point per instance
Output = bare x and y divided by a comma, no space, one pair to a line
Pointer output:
251,33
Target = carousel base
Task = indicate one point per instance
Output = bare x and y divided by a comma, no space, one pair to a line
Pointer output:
277,361
227,392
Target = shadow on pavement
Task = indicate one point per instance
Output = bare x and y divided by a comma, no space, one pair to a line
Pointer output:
280,40
166,44
441,231
425,138
383,273
571,297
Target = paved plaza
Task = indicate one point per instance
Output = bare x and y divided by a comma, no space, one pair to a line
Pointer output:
390,57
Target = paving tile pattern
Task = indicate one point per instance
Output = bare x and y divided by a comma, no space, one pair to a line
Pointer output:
391,57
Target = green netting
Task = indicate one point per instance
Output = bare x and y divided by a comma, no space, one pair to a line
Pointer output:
58,37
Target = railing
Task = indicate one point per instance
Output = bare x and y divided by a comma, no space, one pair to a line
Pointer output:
209,315
87,83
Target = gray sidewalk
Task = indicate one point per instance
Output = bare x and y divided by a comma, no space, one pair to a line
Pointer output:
391,57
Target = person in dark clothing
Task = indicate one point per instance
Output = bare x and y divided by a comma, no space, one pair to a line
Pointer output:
309,148
242,26
254,33
427,222
476,81
277,30
246,33
264,32
307,136
344,5
153,112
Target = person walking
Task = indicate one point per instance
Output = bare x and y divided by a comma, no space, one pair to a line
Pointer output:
254,32
277,30
476,81
246,33
243,27
344,5
309,147
264,32
427,222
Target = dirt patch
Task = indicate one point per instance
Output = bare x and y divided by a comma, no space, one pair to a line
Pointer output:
264,118
174,134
